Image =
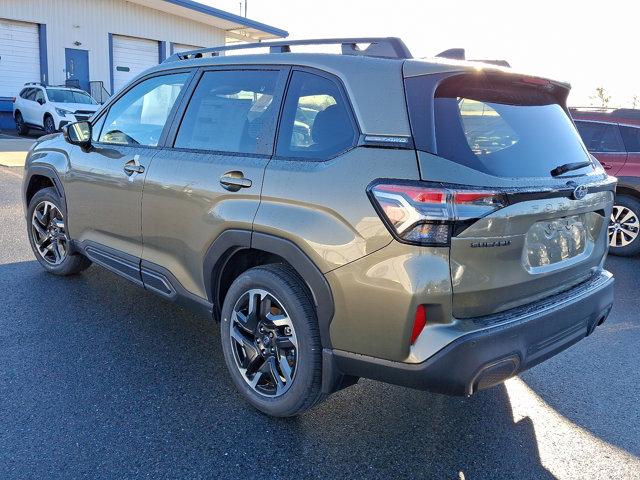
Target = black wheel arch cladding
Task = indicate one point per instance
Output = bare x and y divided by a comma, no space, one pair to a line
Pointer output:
233,241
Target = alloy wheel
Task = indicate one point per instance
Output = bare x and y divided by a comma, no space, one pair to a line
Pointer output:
264,343
49,233
49,126
624,226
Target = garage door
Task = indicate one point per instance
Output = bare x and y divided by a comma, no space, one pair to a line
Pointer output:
132,56
182,47
19,56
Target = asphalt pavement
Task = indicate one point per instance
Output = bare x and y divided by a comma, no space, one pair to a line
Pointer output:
100,379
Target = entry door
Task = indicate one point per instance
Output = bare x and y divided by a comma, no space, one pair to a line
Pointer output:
211,179
104,189
77,66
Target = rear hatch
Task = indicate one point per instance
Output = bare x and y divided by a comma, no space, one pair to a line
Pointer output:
543,228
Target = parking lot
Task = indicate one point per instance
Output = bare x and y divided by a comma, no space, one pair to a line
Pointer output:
99,378
13,148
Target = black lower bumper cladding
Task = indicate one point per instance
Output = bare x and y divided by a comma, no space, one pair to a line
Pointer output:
505,344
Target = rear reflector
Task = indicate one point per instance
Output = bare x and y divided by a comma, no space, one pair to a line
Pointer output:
419,323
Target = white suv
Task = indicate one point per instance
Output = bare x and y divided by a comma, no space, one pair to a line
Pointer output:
49,108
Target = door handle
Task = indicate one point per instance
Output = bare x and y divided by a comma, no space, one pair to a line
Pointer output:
133,166
234,181
607,166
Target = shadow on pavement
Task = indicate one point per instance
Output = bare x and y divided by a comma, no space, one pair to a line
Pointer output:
101,378
594,384
12,133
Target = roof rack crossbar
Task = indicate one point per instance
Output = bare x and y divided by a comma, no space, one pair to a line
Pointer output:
382,47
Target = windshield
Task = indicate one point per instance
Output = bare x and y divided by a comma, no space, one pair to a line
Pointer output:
60,95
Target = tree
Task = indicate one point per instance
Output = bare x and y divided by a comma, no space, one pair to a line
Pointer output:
601,97
635,101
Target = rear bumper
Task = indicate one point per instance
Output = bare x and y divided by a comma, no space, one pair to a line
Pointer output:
502,346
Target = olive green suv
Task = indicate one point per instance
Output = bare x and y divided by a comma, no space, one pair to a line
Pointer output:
436,224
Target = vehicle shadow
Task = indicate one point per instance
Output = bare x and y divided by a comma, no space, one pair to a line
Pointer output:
594,384
100,376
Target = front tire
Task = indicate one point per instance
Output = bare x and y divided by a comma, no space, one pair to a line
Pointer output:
624,226
49,125
21,127
271,341
47,231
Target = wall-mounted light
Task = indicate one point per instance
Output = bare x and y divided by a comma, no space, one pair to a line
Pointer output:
77,43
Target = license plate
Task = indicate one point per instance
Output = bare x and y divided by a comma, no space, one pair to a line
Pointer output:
553,241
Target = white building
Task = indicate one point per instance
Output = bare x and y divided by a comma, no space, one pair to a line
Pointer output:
108,41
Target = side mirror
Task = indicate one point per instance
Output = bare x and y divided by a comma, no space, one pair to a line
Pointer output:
78,133
40,101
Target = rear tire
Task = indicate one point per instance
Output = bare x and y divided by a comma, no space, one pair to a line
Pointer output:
47,231
271,341
21,127
624,226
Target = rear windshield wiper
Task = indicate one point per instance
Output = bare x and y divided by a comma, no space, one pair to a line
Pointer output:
568,167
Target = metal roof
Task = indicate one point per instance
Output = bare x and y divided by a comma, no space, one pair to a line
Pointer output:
235,26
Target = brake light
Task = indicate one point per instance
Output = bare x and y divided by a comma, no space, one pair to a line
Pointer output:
425,215
419,322
535,80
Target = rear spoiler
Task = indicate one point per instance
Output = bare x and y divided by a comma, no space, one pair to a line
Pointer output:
460,54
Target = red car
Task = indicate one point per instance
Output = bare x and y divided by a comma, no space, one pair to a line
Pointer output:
613,137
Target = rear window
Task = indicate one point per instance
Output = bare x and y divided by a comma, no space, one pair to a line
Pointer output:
504,128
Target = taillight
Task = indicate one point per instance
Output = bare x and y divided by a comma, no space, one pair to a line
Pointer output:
426,215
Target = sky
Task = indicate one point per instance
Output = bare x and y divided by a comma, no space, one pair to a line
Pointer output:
587,43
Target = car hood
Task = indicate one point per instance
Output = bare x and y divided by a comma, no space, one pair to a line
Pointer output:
74,107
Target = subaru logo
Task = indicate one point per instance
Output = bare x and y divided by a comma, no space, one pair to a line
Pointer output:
580,192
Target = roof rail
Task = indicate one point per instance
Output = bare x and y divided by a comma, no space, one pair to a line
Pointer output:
382,47
36,83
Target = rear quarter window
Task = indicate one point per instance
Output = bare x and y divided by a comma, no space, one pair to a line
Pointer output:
316,123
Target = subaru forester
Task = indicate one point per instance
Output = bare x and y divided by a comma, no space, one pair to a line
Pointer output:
437,224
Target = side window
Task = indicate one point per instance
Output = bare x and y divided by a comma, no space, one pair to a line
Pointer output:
30,94
39,96
316,122
24,92
139,116
600,137
231,111
631,138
